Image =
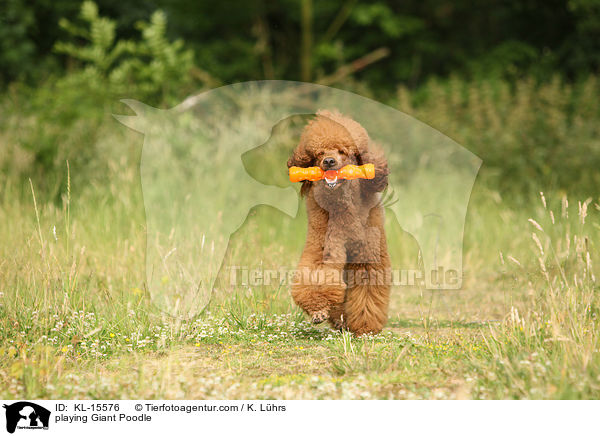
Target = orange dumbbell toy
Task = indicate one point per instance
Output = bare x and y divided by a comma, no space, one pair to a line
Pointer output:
298,174
349,172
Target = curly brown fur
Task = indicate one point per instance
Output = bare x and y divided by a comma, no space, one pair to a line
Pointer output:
345,267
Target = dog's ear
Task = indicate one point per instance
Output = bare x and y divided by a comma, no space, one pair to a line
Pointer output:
362,157
300,158
306,185
376,157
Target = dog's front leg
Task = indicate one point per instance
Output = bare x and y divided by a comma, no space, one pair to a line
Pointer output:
319,290
318,287
335,257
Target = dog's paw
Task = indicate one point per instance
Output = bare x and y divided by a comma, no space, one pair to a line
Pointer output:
320,316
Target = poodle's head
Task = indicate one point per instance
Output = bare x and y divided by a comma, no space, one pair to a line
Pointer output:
330,141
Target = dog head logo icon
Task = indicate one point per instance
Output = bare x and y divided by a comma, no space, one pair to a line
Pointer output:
26,415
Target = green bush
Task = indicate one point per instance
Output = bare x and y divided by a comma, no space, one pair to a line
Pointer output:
64,118
152,69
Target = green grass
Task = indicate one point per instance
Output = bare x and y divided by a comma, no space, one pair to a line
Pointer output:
75,321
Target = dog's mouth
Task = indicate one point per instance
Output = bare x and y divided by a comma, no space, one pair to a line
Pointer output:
331,178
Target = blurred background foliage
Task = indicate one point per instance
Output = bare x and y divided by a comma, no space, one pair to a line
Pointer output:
246,40
515,82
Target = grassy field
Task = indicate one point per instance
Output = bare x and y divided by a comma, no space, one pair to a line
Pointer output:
524,326
76,320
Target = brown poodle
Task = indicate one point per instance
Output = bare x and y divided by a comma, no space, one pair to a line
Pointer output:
344,272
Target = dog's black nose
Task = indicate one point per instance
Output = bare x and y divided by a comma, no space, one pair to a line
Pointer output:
329,162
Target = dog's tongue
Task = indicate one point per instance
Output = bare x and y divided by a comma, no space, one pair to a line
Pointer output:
331,174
